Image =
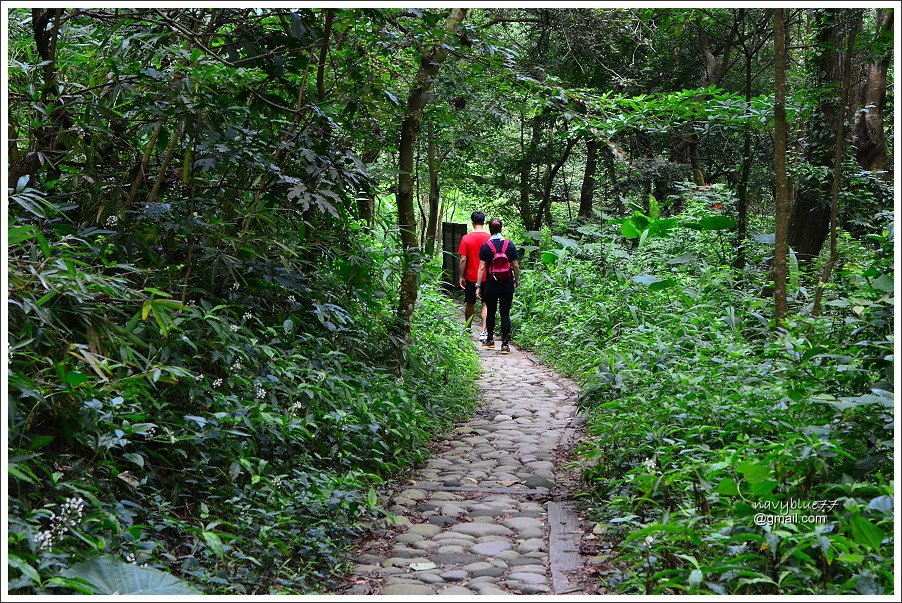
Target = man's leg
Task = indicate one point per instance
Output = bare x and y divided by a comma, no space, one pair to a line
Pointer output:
505,301
490,301
470,299
484,314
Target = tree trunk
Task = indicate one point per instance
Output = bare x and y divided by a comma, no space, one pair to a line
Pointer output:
140,172
45,26
838,152
433,195
323,53
686,151
545,205
698,175
607,156
868,135
526,168
442,207
781,245
588,190
742,191
410,128
810,218
366,201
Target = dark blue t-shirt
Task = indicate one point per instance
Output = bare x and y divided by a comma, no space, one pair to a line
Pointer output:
486,253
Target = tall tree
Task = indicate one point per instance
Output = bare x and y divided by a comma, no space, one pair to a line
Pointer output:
410,128
551,171
432,164
839,148
810,218
588,189
527,155
751,36
781,245
868,135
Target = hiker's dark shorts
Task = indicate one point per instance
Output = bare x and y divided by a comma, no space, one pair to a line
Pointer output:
470,292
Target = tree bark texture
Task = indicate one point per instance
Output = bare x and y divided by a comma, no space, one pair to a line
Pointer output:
868,135
432,218
323,53
588,189
781,245
526,168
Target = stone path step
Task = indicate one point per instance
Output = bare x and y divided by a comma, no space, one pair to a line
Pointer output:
482,515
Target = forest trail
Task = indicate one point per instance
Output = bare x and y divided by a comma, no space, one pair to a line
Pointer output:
488,514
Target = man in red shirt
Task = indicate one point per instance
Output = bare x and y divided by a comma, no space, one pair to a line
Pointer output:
470,245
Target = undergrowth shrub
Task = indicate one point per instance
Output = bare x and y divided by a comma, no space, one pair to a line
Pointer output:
234,439
705,425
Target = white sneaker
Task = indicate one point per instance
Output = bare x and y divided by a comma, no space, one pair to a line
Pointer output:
483,337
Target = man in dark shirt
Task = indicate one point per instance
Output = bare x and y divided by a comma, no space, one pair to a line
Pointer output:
495,293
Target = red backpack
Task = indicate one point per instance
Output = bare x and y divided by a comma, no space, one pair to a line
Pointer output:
500,267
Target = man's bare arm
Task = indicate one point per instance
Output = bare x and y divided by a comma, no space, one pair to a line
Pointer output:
479,279
463,270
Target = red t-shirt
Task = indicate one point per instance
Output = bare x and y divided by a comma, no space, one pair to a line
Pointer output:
470,245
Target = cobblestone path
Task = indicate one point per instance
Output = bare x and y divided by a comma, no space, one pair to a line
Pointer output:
485,516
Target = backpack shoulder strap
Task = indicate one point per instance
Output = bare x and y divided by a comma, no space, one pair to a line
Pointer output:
504,246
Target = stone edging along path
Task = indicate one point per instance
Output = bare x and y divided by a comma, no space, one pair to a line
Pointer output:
489,513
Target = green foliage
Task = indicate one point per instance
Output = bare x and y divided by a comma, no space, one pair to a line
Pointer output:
704,425
110,576
201,298
234,439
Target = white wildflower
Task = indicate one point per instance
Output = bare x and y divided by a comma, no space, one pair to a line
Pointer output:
112,221
217,382
44,539
235,286
260,392
295,408
247,316
234,328
649,540
292,299
130,557
73,508
69,515
198,378
151,431
650,465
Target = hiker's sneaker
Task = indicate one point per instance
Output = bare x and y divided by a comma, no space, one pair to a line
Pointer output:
505,349
484,336
489,343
